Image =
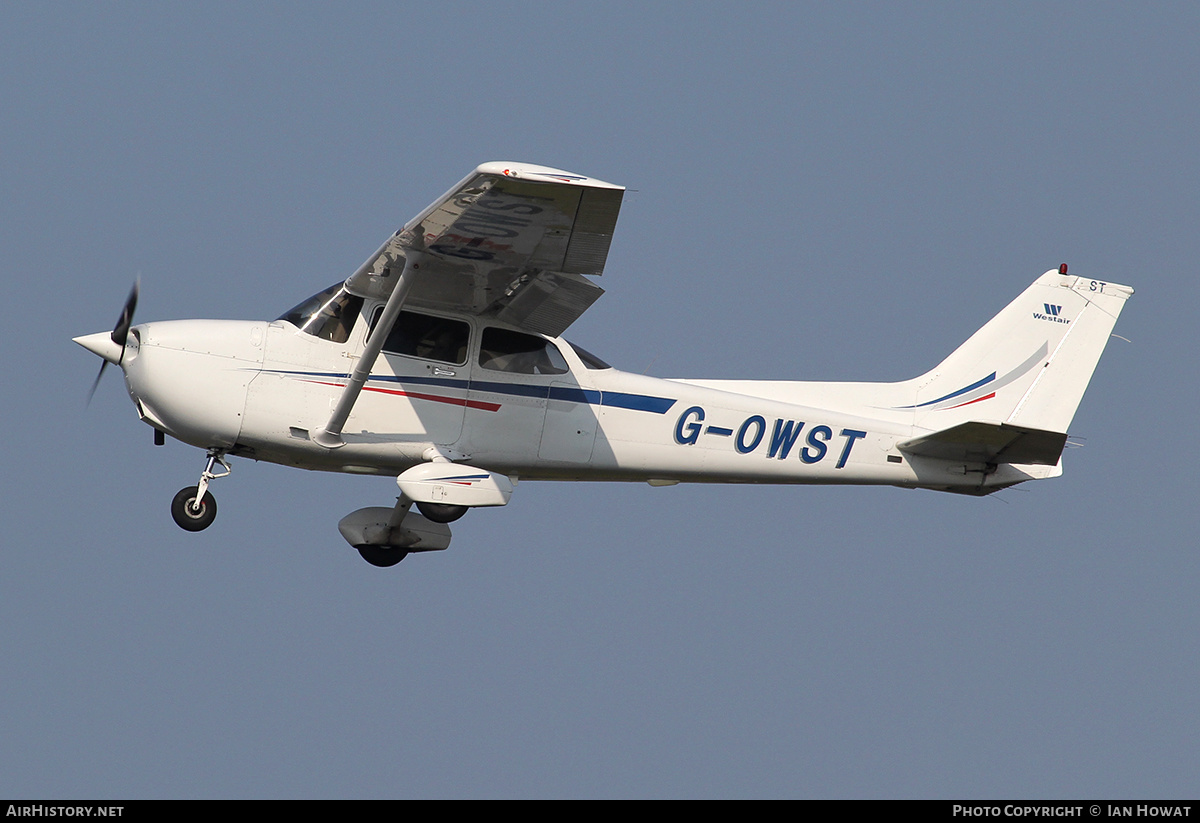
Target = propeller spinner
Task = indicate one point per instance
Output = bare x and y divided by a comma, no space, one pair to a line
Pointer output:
111,347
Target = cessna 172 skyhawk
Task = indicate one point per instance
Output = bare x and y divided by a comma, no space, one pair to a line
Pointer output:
440,361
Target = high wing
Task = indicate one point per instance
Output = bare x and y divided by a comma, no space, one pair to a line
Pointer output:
512,241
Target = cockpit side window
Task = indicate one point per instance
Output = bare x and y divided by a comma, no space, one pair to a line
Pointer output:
429,337
329,315
519,353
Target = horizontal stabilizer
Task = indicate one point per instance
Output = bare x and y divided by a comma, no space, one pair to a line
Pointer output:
977,442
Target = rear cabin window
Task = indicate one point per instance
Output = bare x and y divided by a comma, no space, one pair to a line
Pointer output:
519,353
428,337
329,315
590,360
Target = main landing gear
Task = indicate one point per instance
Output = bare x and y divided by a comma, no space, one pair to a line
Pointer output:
441,512
194,508
381,556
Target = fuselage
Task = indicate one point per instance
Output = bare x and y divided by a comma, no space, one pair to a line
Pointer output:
487,394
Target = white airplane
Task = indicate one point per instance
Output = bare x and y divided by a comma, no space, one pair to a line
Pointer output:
440,361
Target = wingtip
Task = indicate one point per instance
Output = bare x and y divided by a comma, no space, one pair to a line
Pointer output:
533,172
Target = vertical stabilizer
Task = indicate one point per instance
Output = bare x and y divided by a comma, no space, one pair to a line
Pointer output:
1030,364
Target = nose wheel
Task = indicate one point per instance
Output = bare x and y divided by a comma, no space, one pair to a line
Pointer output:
194,509
190,516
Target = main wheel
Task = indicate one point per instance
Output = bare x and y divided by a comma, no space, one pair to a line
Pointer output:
380,556
441,512
193,519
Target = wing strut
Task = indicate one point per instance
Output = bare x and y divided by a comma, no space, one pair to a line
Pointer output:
331,435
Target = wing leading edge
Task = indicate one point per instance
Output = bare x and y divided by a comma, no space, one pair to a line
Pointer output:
511,241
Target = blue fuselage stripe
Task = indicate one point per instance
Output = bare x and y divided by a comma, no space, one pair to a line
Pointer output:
619,400
982,382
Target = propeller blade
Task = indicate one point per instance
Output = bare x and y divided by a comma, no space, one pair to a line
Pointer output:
96,382
120,332
96,344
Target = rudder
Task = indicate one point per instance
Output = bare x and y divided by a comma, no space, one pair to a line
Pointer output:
1030,364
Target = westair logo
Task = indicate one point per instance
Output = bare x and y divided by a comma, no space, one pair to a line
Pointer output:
1052,314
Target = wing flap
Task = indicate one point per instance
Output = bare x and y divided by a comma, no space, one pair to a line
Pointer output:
979,442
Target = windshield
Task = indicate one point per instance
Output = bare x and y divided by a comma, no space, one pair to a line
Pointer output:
329,315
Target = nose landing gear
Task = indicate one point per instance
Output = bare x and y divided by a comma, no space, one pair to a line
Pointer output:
194,508
188,515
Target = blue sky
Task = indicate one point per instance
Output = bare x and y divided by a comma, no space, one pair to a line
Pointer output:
815,192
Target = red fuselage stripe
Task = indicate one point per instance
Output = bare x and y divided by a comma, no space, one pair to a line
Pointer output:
436,398
976,400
